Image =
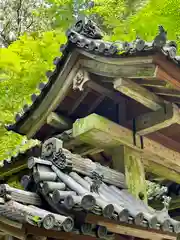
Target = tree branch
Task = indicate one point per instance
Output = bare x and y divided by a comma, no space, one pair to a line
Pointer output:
19,18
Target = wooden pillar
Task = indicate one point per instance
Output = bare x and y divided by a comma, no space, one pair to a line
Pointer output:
128,161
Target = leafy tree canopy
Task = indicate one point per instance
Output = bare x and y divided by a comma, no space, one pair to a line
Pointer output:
24,63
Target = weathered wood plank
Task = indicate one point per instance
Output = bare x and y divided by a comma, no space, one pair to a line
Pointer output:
129,230
58,121
115,70
154,121
97,130
119,61
138,93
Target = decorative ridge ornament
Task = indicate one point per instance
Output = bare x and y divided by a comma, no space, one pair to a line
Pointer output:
97,180
87,28
161,38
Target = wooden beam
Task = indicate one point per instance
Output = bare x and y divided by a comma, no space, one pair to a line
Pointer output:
99,131
118,61
116,70
166,141
167,70
154,121
104,91
129,230
78,102
53,234
95,104
58,121
150,82
175,100
164,116
138,93
160,170
166,92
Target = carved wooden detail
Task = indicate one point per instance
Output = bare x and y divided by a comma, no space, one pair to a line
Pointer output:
80,79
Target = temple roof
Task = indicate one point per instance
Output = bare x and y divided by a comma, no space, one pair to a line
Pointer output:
63,194
147,64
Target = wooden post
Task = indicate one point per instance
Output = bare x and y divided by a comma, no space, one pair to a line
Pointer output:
128,161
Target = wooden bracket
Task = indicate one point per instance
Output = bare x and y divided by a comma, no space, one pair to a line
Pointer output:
138,93
154,121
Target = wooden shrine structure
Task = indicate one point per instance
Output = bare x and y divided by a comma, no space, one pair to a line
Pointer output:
108,120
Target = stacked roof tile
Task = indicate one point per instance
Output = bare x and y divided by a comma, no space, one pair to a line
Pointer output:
59,191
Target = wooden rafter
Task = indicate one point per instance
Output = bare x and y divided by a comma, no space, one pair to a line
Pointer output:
166,92
138,93
78,101
167,70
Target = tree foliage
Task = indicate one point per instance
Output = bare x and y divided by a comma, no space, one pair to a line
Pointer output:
24,63
23,67
20,16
